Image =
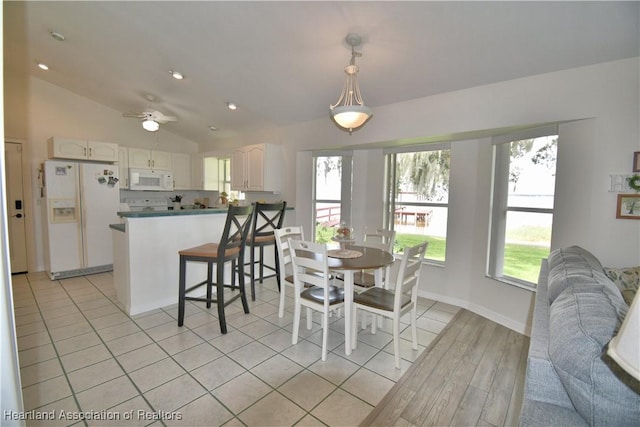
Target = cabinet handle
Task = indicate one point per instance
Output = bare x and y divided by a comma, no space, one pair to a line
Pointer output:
84,151
149,163
90,152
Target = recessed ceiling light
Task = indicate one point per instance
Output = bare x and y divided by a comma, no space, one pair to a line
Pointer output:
176,75
57,36
232,106
213,128
43,66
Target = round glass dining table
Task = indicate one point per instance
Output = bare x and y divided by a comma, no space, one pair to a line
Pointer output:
348,261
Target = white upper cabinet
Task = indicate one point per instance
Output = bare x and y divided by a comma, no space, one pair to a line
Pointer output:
65,148
123,167
197,171
140,158
181,166
257,168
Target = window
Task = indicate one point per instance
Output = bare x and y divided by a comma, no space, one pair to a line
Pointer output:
522,213
417,197
331,194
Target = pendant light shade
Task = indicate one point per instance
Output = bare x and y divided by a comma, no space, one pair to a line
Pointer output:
349,112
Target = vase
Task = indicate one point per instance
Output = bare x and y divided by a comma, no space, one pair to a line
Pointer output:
176,206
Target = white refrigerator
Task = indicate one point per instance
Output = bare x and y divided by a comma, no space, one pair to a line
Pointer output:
82,199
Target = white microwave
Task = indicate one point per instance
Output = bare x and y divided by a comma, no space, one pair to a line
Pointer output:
150,180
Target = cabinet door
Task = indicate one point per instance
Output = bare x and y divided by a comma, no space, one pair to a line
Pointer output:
139,158
238,167
181,167
62,148
197,171
255,168
161,160
102,151
123,167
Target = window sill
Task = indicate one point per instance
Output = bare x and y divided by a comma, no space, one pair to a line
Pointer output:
433,263
528,286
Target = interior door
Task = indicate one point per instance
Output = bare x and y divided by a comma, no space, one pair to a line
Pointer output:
15,207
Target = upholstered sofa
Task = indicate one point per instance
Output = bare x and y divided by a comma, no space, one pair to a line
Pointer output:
570,381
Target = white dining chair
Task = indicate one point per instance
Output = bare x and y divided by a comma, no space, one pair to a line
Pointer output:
282,236
311,267
397,302
365,279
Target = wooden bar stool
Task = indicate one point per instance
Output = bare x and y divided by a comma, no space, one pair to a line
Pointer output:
229,249
267,217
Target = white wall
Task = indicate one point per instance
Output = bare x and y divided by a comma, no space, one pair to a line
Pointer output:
605,94
36,110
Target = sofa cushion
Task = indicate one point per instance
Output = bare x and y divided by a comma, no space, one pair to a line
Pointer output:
572,265
583,318
572,254
626,279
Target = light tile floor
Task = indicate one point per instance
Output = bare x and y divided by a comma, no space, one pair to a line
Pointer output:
91,364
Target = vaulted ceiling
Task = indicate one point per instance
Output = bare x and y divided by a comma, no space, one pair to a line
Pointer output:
282,62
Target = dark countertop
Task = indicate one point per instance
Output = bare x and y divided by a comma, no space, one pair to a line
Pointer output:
181,212
118,227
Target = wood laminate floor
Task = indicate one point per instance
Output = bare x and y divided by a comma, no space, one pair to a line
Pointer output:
472,374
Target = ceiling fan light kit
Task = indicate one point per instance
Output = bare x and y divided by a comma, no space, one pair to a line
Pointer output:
151,120
150,125
349,112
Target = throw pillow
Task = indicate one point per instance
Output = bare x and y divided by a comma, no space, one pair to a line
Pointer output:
626,279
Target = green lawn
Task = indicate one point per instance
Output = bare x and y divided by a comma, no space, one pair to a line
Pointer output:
523,261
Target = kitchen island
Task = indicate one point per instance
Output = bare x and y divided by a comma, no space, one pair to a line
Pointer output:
145,254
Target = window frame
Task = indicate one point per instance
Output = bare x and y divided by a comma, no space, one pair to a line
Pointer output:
390,164
345,186
500,200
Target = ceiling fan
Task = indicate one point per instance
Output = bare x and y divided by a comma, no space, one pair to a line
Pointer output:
152,119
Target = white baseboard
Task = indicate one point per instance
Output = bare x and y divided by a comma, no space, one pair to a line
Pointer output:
519,327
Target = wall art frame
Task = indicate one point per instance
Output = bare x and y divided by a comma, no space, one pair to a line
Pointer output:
628,206
636,161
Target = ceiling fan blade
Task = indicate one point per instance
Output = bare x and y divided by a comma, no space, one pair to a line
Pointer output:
166,119
161,118
135,115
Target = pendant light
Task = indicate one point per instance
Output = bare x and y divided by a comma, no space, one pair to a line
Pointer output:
349,112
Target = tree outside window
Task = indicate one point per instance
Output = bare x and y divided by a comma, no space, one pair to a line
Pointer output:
417,199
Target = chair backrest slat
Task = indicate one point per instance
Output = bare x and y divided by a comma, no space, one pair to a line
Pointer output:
282,244
380,238
409,273
236,229
267,218
310,264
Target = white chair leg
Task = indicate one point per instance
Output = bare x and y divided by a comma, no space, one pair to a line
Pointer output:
325,333
414,329
374,323
281,309
354,328
296,324
309,318
363,320
396,340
